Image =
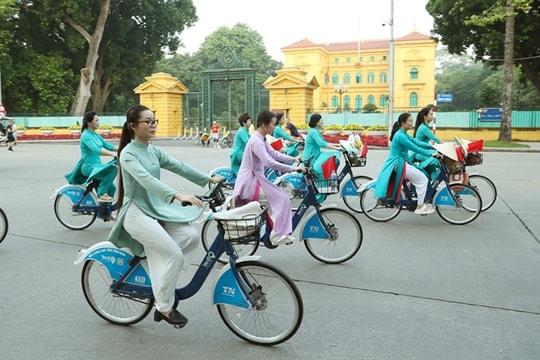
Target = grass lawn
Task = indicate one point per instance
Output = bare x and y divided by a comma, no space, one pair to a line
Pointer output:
504,144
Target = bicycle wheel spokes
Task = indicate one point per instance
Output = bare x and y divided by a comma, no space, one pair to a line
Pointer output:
344,241
353,201
121,310
63,210
209,233
486,188
376,211
278,310
463,205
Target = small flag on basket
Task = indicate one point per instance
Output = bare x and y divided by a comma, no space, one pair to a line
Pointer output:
328,166
277,145
364,148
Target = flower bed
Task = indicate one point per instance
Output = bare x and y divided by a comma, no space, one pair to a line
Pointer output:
66,136
371,140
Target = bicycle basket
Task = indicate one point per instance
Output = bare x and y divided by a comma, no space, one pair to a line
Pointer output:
241,225
474,158
330,186
452,165
356,161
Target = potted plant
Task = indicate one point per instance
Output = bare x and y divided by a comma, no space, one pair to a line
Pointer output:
46,130
378,130
333,129
21,129
348,129
75,129
302,128
105,129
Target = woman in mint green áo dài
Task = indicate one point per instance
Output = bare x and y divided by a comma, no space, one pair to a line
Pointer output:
423,133
315,142
149,221
399,165
280,133
240,140
93,146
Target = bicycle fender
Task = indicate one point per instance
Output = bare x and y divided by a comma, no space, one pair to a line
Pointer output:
75,193
116,261
224,172
313,229
226,288
349,189
442,197
369,185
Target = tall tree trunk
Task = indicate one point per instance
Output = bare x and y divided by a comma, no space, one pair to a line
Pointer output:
84,92
505,132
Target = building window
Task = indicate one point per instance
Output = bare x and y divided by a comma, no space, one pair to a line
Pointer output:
336,60
335,102
414,74
371,99
358,78
413,100
348,60
346,102
360,59
347,78
384,58
382,101
358,103
371,78
383,77
335,78
372,59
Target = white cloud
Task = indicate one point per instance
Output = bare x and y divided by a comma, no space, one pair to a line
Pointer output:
283,22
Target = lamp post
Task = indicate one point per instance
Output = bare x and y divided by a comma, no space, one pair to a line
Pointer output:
341,89
391,71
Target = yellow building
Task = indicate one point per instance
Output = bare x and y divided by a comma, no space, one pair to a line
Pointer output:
352,74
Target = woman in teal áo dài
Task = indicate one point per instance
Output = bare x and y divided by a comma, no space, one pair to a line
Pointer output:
423,133
240,140
280,133
399,165
93,146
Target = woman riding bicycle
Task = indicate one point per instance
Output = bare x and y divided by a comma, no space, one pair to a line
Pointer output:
149,223
399,165
251,179
93,146
280,133
240,140
423,133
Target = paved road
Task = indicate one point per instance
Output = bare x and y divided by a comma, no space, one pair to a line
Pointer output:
418,289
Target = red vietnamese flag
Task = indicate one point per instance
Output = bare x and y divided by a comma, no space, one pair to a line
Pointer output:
328,166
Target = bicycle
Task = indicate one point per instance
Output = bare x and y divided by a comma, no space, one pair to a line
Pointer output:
257,301
230,178
295,185
330,235
77,206
4,225
481,183
450,199
227,140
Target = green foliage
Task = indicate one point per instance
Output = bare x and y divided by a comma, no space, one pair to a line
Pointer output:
354,127
302,126
369,108
333,127
378,128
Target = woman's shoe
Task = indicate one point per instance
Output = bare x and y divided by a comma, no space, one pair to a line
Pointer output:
175,318
106,198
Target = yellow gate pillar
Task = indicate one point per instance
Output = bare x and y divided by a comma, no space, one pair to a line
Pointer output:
291,91
163,94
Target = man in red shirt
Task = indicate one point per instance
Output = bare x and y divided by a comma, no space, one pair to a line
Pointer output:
214,129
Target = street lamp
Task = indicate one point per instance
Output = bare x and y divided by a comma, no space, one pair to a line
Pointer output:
341,89
391,70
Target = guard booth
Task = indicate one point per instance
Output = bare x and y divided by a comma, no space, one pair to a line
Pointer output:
163,94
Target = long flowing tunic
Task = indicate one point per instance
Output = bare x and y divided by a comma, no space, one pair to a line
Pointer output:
392,174
258,155
425,134
141,166
240,141
313,145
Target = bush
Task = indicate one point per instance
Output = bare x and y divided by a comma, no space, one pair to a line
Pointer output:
74,127
354,127
333,127
302,126
105,127
378,128
46,127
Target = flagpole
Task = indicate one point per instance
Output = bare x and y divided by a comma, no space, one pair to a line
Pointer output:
391,76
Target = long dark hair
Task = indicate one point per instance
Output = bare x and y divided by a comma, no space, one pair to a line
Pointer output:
132,116
87,118
420,118
401,119
314,119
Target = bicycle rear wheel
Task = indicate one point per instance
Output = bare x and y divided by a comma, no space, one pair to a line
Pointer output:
277,311
373,209
353,202
3,225
345,241
209,232
486,188
63,210
117,309
465,204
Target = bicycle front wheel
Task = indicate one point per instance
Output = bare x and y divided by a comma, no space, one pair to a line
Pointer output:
117,309
486,188
465,204
353,202
277,311
3,225
73,220
209,232
376,211
344,241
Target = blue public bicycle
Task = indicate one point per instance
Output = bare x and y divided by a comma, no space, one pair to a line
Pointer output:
257,301
3,225
331,235
77,206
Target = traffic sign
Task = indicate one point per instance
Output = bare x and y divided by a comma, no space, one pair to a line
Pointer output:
445,98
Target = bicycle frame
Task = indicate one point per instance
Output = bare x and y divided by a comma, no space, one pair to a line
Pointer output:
84,201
